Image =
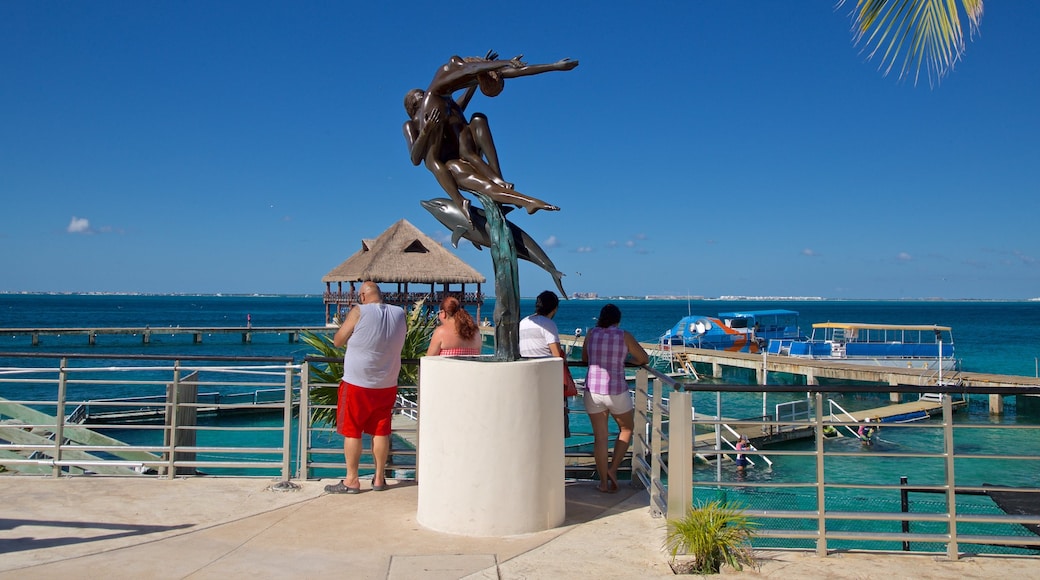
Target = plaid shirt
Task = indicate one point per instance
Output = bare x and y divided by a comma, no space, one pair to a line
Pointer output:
607,352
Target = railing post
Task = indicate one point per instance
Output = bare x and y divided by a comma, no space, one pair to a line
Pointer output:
59,417
640,433
287,425
951,478
656,445
680,453
821,502
303,450
171,415
904,506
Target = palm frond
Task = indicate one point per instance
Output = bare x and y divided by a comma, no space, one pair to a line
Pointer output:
714,533
914,34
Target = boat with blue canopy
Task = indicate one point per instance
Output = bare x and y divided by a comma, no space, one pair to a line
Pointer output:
925,346
739,331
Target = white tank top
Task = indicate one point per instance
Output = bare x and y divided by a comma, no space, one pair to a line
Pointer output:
373,356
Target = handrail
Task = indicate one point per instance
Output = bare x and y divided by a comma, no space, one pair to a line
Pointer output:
80,442
407,407
951,527
833,404
662,455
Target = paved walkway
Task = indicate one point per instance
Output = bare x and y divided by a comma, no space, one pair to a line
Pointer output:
198,527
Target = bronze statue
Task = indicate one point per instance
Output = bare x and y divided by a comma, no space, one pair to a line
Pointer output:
449,214
461,154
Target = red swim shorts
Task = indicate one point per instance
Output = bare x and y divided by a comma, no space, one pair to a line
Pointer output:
362,410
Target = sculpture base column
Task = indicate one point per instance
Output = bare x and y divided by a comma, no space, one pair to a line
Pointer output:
490,460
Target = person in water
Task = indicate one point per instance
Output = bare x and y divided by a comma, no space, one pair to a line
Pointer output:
741,459
866,432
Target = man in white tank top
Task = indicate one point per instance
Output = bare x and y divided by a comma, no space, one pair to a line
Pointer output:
374,334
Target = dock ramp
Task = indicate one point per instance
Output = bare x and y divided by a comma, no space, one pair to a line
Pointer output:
24,426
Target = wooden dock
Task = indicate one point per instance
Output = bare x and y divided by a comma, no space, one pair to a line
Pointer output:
147,332
814,369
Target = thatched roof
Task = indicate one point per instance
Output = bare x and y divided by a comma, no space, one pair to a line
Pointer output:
403,254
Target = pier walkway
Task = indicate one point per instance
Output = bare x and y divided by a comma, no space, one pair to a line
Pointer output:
201,527
146,333
814,369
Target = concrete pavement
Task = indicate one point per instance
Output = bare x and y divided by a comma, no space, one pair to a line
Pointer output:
200,527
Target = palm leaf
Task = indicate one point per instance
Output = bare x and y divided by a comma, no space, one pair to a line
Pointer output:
713,533
914,34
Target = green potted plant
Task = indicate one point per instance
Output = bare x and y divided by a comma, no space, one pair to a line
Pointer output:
713,533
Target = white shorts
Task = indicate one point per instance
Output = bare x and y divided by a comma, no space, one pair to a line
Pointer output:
616,404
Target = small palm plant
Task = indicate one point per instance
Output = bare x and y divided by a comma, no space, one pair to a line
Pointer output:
713,533
420,327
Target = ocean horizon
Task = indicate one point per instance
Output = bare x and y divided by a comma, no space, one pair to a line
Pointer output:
491,297
993,336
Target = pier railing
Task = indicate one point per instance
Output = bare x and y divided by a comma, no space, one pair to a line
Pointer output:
180,415
971,483
849,493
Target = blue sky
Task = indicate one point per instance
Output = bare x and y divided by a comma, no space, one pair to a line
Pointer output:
710,148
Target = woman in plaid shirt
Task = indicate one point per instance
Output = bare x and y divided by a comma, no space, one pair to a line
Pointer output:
606,392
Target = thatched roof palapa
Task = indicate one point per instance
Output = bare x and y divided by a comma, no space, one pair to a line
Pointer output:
403,254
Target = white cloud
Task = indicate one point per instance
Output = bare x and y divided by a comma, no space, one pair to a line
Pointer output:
584,249
79,226
904,257
630,243
612,244
809,252
551,242
442,237
1026,259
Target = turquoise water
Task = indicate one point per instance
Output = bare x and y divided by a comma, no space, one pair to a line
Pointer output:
995,337
990,336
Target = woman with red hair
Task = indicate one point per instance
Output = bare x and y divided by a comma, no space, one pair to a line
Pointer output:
457,334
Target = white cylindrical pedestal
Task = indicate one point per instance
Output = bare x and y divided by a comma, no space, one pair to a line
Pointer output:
490,460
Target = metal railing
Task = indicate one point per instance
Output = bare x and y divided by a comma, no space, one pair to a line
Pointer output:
245,418
53,426
835,501
838,502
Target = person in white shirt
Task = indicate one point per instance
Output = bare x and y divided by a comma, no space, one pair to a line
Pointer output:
539,338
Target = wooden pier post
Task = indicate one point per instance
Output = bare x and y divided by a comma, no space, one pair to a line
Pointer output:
894,397
181,418
996,404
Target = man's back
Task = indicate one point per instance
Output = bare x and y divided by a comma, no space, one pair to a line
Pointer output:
373,355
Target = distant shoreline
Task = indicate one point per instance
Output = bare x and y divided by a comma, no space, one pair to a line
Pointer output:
646,298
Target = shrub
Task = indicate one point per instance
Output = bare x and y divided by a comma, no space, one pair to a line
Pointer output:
713,533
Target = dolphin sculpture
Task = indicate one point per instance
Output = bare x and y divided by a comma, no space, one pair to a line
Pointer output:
452,217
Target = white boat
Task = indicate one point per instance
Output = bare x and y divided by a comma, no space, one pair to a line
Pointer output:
924,346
